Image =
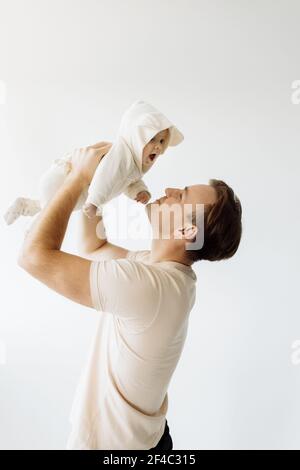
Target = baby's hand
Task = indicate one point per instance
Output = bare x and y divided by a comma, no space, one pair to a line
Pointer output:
143,197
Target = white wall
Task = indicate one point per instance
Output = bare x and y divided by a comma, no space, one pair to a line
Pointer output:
222,71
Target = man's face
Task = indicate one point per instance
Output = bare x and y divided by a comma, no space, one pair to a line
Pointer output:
180,202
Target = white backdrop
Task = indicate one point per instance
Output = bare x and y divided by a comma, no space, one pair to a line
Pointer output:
223,72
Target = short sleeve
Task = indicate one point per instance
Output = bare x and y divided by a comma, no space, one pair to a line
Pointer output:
126,289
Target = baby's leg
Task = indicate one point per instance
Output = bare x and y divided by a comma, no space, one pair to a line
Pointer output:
53,179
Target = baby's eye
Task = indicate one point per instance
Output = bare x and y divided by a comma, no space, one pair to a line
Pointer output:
162,141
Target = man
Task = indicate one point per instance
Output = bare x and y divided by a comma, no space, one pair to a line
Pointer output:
145,298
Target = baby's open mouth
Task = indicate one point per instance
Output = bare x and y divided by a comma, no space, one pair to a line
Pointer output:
152,156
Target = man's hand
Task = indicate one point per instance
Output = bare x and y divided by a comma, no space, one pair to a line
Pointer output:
85,160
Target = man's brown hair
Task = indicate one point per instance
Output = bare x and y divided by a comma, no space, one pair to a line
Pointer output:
222,225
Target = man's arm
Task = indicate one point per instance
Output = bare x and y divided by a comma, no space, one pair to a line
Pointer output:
93,244
41,254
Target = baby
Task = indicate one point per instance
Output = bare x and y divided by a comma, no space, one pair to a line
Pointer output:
137,190
143,136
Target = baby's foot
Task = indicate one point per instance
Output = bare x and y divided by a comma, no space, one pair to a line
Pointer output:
21,206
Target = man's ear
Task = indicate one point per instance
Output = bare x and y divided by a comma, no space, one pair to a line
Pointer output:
188,232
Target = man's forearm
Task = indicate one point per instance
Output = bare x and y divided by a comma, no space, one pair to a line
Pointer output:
91,233
49,228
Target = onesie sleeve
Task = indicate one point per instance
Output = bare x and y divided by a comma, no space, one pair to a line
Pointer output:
133,189
110,177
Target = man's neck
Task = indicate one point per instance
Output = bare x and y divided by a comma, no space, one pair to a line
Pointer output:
161,251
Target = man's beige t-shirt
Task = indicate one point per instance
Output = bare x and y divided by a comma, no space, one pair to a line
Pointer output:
121,400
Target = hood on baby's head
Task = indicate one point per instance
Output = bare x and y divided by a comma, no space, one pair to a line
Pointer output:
140,123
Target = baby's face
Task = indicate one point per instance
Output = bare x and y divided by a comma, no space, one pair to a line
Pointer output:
155,147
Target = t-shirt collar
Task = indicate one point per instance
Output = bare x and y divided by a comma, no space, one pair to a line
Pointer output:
182,267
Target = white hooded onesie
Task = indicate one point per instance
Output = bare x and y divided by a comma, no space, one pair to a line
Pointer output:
123,163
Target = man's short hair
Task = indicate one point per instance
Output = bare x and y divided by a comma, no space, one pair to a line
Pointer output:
222,225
